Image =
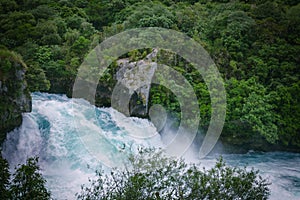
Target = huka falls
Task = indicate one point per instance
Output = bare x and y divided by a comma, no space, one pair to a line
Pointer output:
49,132
149,100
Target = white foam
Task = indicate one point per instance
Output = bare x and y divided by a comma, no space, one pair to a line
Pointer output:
69,135
73,140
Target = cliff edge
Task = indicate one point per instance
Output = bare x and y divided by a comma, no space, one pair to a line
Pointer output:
14,94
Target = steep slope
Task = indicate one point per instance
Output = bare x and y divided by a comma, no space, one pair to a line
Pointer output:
14,95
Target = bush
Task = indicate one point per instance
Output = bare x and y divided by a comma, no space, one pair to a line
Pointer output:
151,175
28,183
4,178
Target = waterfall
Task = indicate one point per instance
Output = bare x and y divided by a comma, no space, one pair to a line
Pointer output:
73,138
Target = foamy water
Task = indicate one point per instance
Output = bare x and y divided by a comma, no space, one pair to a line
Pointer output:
73,138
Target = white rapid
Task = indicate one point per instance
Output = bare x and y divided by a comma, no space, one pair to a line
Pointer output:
73,139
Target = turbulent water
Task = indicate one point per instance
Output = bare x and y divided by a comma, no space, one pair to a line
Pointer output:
73,138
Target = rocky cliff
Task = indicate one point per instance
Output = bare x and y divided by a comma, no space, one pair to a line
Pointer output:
14,94
128,85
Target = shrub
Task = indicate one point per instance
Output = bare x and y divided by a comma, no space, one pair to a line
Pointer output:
152,175
28,183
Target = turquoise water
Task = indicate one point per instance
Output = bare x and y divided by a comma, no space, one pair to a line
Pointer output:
73,138
280,168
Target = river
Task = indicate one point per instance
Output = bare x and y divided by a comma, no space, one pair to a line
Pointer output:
72,139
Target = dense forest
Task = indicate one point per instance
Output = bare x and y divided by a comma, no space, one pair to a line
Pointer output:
254,43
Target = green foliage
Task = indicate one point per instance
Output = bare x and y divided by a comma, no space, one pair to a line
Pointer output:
14,95
16,28
147,15
36,78
4,179
248,40
258,112
249,106
28,183
289,123
293,18
255,45
43,54
9,57
47,34
152,175
80,45
7,6
43,12
55,36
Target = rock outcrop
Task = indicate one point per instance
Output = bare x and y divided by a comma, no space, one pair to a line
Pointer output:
129,86
133,85
14,95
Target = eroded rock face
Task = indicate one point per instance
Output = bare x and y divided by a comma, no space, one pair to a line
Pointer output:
14,95
131,93
125,85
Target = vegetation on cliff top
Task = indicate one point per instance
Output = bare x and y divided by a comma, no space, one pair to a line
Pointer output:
14,94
